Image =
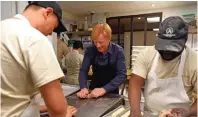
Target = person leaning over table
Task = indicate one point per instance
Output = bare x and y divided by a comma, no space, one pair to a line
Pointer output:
168,72
29,64
108,64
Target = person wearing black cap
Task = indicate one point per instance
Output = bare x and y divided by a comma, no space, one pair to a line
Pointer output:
29,64
167,71
73,62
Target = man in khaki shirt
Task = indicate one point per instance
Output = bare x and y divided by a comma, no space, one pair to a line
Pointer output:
62,49
29,67
73,63
167,71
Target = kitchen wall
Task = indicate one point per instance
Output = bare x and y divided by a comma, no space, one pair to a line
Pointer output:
8,9
11,8
21,6
166,11
91,19
69,17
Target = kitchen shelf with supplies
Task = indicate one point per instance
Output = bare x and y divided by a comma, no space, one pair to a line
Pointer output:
80,33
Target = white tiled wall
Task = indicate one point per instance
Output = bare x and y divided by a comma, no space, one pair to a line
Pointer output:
8,9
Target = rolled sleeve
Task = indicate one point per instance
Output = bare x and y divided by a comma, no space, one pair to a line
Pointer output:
120,71
140,68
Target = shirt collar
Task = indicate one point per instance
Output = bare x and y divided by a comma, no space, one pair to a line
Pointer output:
76,51
21,17
110,51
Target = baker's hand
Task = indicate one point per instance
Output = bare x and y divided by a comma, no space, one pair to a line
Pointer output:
97,92
83,93
180,112
71,111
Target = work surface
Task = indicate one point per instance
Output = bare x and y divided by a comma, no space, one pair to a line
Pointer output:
93,107
67,90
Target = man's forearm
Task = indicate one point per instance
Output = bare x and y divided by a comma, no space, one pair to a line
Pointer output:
134,99
83,79
54,98
115,83
59,109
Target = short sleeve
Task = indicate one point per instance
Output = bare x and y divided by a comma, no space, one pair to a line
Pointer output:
42,63
140,67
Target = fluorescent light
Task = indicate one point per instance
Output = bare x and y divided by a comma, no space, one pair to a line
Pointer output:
155,29
153,19
139,18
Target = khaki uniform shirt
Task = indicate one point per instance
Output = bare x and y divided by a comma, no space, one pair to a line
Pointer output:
167,69
28,62
73,63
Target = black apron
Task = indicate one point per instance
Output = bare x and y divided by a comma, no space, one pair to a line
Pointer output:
102,74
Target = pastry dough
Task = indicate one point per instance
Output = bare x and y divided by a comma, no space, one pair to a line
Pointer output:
164,113
117,112
126,114
142,113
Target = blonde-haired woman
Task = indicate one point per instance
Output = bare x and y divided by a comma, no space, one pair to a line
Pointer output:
108,64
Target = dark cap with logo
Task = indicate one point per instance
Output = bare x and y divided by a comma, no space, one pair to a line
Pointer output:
57,11
172,36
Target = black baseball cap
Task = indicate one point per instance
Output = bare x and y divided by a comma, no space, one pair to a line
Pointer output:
77,44
57,11
172,35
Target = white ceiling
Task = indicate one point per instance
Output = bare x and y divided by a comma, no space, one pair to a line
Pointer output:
81,8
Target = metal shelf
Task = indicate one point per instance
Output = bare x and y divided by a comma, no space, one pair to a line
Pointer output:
80,33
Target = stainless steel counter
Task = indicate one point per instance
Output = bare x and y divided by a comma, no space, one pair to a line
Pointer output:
67,90
94,107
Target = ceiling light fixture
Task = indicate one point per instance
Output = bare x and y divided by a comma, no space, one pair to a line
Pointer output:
139,18
153,5
153,19
155,29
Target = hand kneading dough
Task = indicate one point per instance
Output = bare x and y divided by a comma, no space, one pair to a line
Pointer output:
164,113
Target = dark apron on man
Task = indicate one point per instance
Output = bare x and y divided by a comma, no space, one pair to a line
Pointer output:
102,74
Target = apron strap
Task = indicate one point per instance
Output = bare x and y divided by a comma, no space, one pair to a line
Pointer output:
155,61
109,59
182,63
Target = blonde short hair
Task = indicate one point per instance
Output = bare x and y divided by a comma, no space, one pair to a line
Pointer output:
103,29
